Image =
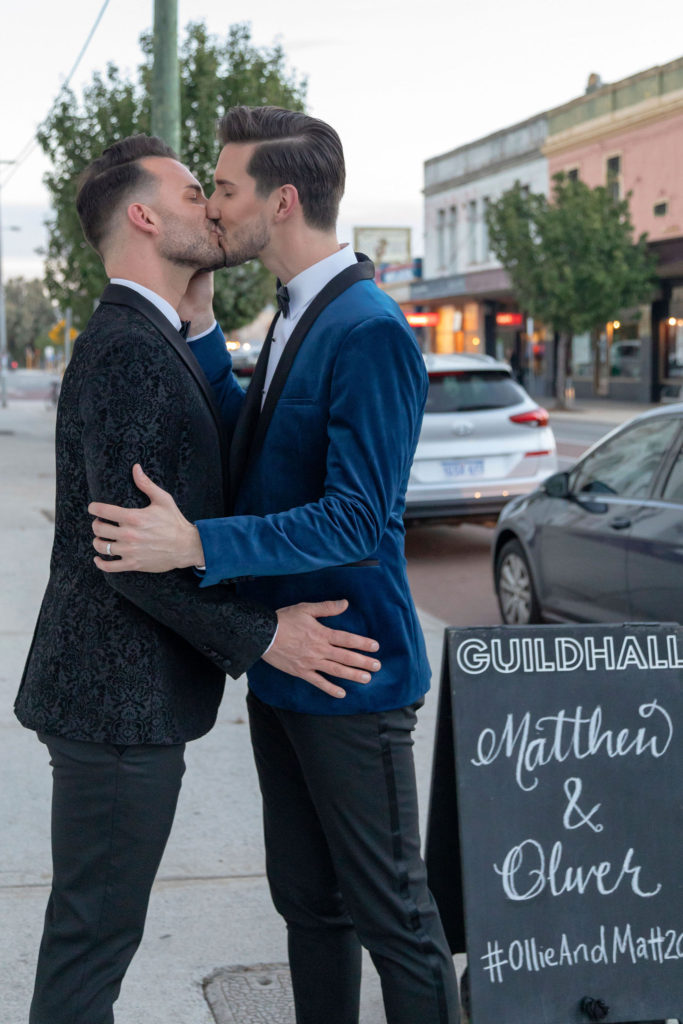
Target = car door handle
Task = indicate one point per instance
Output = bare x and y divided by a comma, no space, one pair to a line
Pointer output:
620,523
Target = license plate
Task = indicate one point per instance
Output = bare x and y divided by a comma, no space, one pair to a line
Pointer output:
463,467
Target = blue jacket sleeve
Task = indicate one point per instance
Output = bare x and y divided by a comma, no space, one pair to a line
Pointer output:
214,359
377,395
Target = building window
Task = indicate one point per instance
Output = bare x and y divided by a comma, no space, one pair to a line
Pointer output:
472,231
485,253
661,209
573,174
614,177
582,357
441,238
624,351
453,236
673,348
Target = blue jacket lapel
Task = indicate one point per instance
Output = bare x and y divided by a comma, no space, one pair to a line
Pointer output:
364,270
249,414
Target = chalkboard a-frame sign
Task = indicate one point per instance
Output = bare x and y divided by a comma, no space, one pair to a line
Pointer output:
557,790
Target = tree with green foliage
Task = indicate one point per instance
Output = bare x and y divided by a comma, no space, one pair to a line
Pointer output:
215,74
30,314
572,258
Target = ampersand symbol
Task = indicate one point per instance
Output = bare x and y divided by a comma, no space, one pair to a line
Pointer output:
572,790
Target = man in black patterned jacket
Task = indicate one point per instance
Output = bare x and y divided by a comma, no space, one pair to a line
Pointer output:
124,669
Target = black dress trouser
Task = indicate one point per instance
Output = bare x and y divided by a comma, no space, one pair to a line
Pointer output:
344,864
112,811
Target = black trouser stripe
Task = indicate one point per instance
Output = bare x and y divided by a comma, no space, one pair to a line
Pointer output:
404,887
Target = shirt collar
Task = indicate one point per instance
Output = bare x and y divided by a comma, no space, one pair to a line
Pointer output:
305,286
162,305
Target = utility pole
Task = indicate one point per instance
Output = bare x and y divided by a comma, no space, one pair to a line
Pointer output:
4,358
165,78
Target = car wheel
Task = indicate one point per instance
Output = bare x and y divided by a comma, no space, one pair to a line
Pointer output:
515,588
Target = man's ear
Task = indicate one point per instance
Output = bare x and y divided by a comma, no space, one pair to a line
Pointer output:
287,202
142,218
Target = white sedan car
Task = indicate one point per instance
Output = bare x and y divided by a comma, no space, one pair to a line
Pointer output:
483,441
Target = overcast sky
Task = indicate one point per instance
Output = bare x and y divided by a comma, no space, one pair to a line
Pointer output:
401,81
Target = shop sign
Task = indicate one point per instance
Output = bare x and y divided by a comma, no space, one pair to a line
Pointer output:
422,319
559,753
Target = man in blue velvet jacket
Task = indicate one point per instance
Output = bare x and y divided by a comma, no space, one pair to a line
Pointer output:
320,459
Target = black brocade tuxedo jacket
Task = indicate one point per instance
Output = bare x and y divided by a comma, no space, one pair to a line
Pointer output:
134,657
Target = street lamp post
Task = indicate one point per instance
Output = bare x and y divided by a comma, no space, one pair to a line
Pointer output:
3,319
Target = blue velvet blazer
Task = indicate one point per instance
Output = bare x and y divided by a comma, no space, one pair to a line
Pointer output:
318,493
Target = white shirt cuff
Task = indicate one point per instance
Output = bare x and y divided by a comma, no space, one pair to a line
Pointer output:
196,337
273,640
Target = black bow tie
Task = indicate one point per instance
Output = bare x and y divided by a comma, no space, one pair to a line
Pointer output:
184,327
282,298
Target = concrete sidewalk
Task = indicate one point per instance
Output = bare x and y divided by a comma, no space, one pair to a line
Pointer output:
211,907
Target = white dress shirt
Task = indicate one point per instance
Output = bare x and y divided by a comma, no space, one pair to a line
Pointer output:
302,290
162,305
165,307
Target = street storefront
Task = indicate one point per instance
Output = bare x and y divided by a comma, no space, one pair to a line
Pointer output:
672,356
638,357
668,320
477,314
617,361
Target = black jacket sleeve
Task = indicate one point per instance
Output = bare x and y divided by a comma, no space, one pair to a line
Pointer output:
136,405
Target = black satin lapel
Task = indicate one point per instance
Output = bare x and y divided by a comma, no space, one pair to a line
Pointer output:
249,414
364,270
119,295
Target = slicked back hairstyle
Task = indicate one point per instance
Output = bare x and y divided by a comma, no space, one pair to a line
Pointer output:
110,179
291,149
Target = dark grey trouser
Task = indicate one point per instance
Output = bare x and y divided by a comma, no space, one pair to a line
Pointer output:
112,811
344,865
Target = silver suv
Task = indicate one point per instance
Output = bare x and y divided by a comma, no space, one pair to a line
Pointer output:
483,441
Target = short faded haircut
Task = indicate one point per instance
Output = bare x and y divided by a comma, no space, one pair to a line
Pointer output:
111,178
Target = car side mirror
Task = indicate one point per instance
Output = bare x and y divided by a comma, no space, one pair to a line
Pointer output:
557,485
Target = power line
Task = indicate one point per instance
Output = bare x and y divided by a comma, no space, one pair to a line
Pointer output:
33,142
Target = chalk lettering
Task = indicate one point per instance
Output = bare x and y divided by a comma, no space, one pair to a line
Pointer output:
568,654
631,654
622,944
570,735
655,660
527,872
675,659
514,658
526,954
572,790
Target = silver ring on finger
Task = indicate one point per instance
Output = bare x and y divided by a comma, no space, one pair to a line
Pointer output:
108,547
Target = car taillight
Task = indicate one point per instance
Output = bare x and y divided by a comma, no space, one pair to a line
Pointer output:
537,417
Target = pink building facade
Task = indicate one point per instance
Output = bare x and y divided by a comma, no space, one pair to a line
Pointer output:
650,166
628,136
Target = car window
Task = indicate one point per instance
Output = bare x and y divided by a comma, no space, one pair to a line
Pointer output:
626,465
462,390
673,489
